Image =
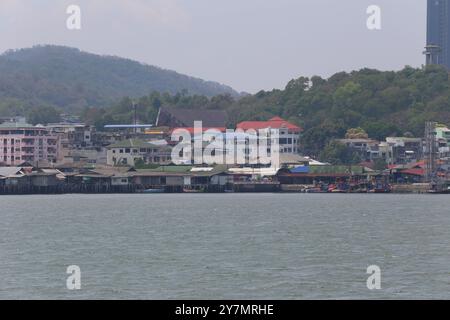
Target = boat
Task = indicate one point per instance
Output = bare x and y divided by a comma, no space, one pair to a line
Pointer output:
153,191
187,190
440,188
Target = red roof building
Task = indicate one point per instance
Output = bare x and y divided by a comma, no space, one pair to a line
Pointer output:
289,134
274,123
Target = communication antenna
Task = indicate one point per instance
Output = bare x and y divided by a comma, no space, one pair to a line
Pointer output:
432,53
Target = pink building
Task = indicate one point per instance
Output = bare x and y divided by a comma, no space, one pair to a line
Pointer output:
25,143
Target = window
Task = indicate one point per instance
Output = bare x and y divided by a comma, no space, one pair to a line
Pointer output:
127,150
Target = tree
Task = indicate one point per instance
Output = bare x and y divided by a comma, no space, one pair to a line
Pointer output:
338,154
43,115
356,133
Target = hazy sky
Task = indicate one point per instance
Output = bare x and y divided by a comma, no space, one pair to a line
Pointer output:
247,44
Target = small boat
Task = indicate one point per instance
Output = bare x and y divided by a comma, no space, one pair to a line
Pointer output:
187,190
314,190
153,191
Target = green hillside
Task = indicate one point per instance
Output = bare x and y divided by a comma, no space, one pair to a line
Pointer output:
70,79
381,103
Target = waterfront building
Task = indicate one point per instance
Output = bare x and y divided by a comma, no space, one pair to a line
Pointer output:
367,149
79,143
404,150
73,135
438,33
20,142
131,151
289,134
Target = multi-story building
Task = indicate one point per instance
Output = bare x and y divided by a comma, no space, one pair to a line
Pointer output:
129,152
395,150
367,149
73,135
80,143
443,132
438,33
405,150
289,134
20,142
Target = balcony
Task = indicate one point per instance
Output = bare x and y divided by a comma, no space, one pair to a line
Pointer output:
28,151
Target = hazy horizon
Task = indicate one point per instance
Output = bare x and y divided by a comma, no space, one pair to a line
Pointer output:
249,45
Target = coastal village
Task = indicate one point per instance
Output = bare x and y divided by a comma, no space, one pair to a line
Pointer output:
72,157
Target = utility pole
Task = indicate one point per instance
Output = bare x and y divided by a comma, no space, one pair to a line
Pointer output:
135,117
430,151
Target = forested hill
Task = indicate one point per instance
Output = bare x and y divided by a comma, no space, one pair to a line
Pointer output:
381,103
68,78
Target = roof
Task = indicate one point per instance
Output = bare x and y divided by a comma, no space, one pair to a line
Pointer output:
414,172
288,158
414,165
9,171
337,169
208,171
253,171
191,129
113,172
175,169
186,117
133,143
274,123
314,175
17,125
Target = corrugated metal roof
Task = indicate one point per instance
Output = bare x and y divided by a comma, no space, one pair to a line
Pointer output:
9,171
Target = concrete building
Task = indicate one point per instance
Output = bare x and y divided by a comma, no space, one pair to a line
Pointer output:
438,33
443,132
21,142
405,150
367,149
73,135
289,134
129,152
